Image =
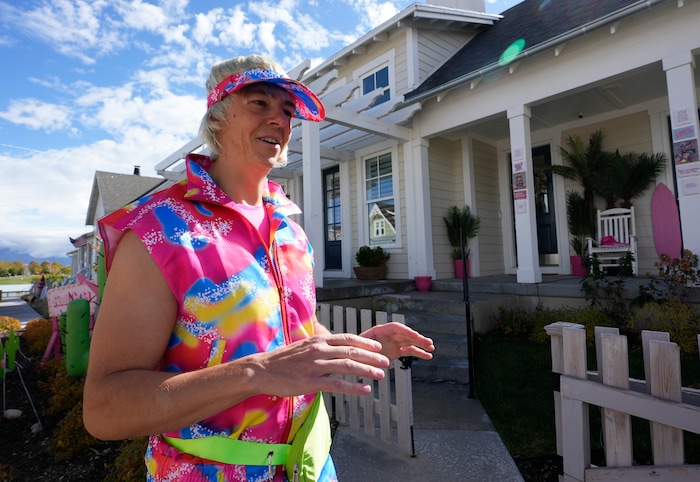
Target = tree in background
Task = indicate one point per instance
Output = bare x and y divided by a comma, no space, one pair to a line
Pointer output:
48,268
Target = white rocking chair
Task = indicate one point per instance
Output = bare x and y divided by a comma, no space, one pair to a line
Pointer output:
617,236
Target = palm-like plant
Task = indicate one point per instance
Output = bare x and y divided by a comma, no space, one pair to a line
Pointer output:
577,220
584,164
642,170
608,180
461,221
627,176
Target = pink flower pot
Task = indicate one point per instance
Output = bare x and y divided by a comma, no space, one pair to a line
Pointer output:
458,268
577,267
423,283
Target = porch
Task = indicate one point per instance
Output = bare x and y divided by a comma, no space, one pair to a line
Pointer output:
554,291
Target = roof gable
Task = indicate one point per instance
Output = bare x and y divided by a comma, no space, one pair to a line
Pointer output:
117,190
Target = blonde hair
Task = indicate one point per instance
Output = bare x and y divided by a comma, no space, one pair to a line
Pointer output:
210,124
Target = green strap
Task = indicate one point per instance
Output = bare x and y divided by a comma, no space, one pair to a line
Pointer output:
232,451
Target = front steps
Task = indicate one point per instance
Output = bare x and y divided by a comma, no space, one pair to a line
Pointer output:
441,315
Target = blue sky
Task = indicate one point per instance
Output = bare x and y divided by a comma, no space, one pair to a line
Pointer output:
108,84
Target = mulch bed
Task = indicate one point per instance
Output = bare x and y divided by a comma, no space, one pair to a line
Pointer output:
25,454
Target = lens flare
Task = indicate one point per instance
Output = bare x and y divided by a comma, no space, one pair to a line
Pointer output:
511,52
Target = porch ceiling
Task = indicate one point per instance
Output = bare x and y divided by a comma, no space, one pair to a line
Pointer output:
611,94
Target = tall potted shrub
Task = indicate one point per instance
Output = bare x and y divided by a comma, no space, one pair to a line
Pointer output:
577,222
461,224
584,164
372,263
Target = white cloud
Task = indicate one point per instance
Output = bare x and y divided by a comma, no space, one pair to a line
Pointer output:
71,26
236,30
266,35
35,114
142,16
373,13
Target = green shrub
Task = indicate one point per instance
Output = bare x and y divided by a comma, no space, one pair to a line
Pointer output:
129,465
372,257
70,437
680,320
8,473
674,279
37,335
521,323
64,392
515,322
8,323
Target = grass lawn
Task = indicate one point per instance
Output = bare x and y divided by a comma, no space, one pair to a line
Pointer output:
514,384
17,280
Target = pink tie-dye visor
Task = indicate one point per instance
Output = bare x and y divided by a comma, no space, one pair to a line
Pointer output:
307,105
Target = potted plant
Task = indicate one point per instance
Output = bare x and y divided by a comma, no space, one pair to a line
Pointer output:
372,263
585,164
461,224
577,222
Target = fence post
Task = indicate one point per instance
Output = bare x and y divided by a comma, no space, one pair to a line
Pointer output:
665,383
384,386
368,401
574,413
647,337
351,326
554,331
617,426
404,400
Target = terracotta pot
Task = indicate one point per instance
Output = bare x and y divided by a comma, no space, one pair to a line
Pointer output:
577,267
458,268
370,272
423,283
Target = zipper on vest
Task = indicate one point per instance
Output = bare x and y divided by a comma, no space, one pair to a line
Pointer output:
277,277
285,327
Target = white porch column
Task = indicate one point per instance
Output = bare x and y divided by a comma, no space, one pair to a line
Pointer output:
313,195
419,229
523,194
684,126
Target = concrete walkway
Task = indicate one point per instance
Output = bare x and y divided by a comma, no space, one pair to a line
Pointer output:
16,307
454,440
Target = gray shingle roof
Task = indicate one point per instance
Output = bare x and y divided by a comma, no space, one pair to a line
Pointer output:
118,190
534,21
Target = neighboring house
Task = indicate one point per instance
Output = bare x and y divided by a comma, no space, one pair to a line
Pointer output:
110,191
428,109
83,257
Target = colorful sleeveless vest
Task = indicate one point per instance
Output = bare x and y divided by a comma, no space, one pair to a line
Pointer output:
235,297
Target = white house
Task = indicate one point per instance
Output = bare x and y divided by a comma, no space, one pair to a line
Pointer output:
110,191
428,109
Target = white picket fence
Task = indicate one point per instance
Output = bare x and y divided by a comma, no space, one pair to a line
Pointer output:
660,398
387,413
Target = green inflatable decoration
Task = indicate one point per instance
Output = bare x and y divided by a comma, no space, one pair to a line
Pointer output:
77,336
7,354
62,330
101,273
11,348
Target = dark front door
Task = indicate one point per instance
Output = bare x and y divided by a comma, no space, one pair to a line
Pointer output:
544,206
331,218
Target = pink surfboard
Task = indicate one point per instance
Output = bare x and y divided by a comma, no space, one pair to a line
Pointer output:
665,222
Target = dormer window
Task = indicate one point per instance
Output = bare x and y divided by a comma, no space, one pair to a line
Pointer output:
378,80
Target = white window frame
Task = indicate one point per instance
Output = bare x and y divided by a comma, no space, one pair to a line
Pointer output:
385,60
376,150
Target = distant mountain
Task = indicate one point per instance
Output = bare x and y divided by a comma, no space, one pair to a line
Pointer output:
12,255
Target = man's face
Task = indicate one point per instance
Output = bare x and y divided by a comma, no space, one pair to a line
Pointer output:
257,128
